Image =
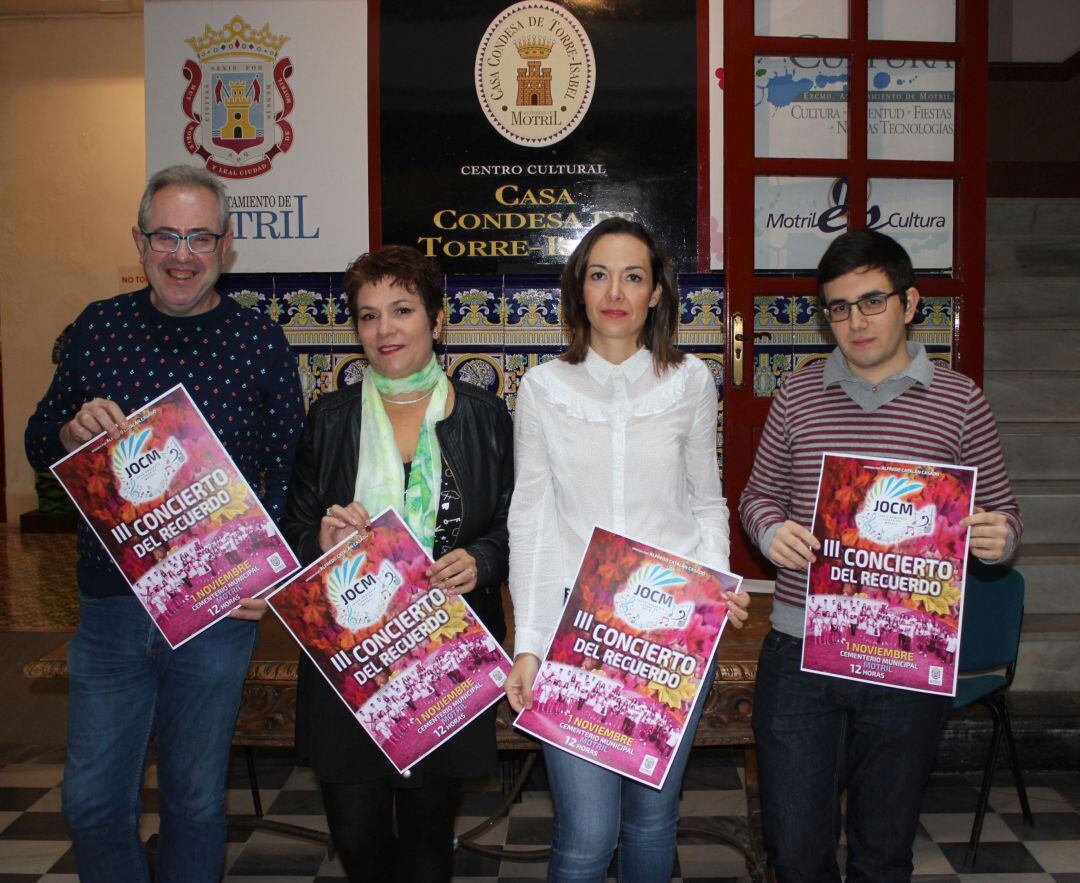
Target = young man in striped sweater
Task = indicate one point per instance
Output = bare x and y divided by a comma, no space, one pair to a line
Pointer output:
878,395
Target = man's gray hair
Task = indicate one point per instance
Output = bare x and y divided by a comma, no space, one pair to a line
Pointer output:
188,177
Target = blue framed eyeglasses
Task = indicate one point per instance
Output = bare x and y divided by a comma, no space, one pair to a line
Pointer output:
164,242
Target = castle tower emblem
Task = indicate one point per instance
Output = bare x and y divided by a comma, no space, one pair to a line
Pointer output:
237,99
534,82
238,131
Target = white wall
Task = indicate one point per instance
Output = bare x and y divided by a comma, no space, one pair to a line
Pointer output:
1034,30
72,167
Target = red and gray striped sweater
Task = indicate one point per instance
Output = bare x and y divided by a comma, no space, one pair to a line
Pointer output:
947,422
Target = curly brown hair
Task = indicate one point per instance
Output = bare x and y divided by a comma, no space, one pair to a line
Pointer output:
401,265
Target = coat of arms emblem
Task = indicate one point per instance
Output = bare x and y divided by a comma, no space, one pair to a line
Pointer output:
237,99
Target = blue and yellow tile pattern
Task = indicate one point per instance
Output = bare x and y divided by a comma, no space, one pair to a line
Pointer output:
497,327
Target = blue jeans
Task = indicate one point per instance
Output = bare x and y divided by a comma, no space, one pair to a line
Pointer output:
596,809
818,735
126,683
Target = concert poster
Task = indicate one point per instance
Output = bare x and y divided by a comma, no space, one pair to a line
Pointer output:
412,664
884,597
628,659
175,514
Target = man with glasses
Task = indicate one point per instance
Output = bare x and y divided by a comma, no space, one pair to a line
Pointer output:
877,395
126,684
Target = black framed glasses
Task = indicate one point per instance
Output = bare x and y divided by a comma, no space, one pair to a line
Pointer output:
870,304
167,243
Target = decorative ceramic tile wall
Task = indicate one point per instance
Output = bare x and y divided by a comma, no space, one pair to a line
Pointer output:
472,342
532,327
701,332
496,328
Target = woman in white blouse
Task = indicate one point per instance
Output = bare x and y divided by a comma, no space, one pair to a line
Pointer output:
621,432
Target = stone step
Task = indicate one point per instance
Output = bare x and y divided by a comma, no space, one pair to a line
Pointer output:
1047,730
1041,451
1049,658
1034,258
1030,298
1049,349
1059,553
1051,510
1050,577
1047,487
1025,218
1045,396
1031,323
1032,380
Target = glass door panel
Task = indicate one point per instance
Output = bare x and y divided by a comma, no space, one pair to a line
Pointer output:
917,213
800,107
910,109
933,20
795,218
800,18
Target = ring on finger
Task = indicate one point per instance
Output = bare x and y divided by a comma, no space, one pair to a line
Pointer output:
328,508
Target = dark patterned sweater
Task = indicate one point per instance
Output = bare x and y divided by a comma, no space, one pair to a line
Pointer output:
235,364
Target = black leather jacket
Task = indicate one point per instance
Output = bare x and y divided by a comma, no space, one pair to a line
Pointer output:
477,447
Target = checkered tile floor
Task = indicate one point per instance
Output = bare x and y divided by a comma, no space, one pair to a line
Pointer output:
34,845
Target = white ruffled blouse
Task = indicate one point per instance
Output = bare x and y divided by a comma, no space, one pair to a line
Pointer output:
614,446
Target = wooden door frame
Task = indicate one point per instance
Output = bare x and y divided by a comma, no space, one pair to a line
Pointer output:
743,414
3,454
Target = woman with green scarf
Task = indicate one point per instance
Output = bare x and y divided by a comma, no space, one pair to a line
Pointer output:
440,452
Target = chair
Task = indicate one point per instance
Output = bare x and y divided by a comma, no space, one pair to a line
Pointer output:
993,613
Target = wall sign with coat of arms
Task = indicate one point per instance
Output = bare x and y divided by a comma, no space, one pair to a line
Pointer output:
239,88
237,99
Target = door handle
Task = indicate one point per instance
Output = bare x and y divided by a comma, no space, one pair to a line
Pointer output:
738,348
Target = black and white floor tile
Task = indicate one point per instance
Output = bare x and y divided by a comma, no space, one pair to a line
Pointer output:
34,847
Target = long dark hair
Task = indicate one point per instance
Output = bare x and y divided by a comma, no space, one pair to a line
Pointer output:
662,322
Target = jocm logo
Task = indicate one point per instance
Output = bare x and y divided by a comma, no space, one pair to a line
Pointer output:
129,459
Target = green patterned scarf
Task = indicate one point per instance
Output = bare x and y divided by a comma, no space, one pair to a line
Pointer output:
380,476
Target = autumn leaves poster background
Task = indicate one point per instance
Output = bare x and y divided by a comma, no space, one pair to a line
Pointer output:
629,657
176,515
413,664
885,595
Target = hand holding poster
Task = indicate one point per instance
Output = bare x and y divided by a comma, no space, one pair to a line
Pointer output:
629,656
885,595
413,664
172,510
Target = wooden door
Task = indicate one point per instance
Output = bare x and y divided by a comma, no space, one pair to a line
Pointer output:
874,159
